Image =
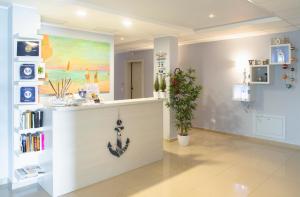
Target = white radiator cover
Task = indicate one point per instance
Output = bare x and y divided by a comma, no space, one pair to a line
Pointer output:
269,126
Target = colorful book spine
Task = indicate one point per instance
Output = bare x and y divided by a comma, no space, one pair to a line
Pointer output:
32,142
38,144
42,141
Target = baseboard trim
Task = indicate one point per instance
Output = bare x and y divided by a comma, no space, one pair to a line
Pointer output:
255,139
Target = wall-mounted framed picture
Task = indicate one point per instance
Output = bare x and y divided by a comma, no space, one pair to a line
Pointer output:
41,70
27,49
26,71
26,94
280,54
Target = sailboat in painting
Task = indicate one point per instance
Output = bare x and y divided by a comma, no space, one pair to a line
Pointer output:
68,66
96,80
87,76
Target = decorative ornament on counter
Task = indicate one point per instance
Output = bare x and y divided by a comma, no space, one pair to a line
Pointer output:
119,149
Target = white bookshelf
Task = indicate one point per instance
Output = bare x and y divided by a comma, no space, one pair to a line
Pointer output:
21,159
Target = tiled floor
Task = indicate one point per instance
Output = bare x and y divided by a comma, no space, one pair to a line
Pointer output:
213,165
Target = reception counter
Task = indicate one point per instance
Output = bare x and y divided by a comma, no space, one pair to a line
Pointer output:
81,145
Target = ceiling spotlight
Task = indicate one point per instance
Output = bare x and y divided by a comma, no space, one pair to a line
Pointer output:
81,13
122,38
211,16
127,22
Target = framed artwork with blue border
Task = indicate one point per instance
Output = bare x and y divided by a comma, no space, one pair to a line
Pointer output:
26,71
27,94
27,49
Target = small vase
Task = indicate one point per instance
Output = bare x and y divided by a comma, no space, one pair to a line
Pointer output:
183,140
156,94
162,95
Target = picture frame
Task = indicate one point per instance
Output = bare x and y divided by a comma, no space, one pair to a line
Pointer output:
41,70
280,54
27,49
26,71
26,95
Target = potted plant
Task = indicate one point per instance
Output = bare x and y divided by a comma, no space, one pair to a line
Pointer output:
156,87
183,93
163,87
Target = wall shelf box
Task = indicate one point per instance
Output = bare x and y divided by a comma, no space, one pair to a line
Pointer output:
23,107
33,130
280,54
241,92
28,154
259,74
29,37
29,83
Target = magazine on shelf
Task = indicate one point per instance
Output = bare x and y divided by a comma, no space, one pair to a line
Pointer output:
29,172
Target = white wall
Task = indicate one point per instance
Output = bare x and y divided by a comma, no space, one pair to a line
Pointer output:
120,62
3,95
59,31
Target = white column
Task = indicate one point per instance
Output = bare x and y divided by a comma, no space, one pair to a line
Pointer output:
168,45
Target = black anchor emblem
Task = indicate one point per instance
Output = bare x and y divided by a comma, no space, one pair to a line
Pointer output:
119,150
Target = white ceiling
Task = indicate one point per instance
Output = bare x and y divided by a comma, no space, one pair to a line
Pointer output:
187,20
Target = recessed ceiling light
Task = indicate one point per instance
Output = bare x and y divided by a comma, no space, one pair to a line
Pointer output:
81,13
122,38
127,22
211,16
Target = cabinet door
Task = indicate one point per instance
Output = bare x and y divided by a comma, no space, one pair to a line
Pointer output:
270,126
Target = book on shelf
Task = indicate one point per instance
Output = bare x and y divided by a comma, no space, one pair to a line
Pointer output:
29,172
32,142
31,119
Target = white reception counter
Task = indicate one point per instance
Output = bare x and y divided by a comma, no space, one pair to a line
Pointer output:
77,144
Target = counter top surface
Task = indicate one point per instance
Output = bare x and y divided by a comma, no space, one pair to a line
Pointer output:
106,104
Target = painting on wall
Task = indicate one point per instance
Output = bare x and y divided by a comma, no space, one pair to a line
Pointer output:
84,61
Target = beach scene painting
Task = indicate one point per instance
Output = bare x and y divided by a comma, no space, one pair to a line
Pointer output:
84,61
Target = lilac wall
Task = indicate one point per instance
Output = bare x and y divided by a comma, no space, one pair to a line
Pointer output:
217,72
120,61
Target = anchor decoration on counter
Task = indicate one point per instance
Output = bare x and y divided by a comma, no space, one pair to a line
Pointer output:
119,149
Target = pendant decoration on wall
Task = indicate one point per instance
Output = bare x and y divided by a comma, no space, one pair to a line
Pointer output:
118,149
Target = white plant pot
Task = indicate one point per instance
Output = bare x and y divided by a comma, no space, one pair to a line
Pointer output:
162,95
156,94
183,140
